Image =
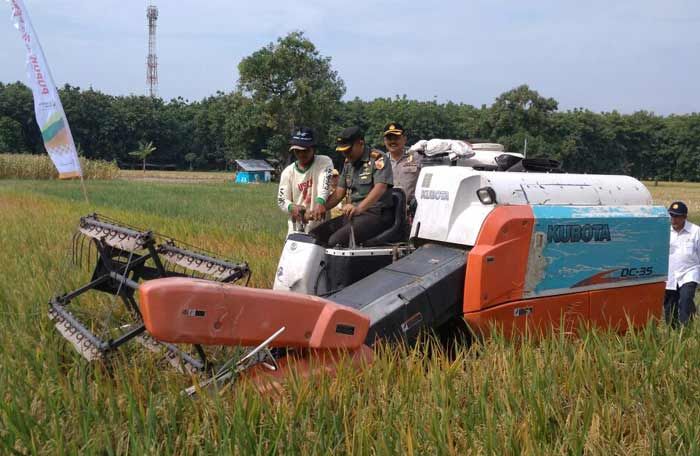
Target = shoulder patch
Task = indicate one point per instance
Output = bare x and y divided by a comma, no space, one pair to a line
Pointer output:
379,163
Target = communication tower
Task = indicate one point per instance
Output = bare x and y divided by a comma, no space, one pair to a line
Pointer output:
152,59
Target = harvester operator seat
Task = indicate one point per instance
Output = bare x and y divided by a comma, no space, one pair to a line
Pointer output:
397,232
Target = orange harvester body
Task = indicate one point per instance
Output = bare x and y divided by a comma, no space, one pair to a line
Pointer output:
498,293
191,311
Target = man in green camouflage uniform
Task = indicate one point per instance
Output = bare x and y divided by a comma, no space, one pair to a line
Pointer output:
367,176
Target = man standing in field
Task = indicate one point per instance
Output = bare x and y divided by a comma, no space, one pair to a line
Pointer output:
367,177
683,267
405,164
305,185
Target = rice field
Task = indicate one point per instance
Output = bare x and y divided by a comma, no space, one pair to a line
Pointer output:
219,177
665,193
604,393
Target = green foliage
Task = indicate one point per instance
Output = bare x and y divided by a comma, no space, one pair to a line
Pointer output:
292,84
190,158
10,135
144,150
288,82
16,102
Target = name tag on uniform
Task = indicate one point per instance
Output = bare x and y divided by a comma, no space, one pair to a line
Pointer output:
366,173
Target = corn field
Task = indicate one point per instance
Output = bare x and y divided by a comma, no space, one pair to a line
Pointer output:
28,166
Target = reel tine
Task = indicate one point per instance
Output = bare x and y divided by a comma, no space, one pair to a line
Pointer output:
78,249
89,251
73,246
81,258
90,257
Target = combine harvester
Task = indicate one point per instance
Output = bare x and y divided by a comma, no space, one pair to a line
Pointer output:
488,248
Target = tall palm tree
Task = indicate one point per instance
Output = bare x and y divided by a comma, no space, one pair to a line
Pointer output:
145,149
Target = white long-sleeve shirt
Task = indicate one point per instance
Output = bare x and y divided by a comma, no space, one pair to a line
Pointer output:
684,256
307,187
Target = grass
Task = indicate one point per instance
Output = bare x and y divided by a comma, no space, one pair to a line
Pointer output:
601,394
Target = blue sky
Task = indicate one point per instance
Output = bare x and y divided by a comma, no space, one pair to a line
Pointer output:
601,55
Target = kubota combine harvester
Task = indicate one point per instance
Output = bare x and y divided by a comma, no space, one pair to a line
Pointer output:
488,247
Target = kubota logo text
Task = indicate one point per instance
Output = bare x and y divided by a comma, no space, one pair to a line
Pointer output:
578,233
435,195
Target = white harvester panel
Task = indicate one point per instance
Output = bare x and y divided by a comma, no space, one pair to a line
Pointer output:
449,209
300,265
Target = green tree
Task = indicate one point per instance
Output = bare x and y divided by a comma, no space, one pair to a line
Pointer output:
94,122
292,84
680,154
16,102
582,141
190,158
142,153
520,114
10,135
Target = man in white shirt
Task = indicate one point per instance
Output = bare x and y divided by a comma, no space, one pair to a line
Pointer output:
683,267
306,183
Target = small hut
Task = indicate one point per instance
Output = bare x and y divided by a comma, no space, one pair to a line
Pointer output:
249,171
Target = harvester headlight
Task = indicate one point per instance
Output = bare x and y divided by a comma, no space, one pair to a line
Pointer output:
486,195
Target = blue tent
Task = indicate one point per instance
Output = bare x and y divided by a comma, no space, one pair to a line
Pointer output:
250,171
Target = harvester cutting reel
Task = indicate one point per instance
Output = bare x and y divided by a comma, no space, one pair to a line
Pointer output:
124,256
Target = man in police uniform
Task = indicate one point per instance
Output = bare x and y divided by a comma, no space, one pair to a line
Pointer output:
405,164
683,267
368,178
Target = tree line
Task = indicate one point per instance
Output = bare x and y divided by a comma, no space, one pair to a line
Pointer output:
288,83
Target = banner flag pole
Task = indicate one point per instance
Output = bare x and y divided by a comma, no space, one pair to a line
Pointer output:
48,109
82,184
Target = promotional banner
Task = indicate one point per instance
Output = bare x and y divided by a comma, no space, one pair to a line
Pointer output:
47,106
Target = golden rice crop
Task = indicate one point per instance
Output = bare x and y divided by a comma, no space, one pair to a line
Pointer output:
28,166
603,393
666,192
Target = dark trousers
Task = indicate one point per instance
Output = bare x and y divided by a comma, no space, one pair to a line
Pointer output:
678,304
365,226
